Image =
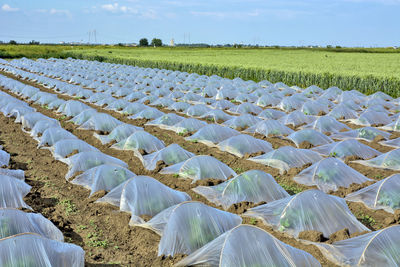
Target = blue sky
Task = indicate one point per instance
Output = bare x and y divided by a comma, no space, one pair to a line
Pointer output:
289,22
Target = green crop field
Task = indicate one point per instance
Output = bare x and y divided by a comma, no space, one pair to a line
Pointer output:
345,63
367,70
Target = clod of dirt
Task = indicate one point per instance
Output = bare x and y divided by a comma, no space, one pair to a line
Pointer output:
312,235
389,220
97,195
339,235
247,155
351,158
378,138
208,182
306,145
397,215
159,165
358,234
242,207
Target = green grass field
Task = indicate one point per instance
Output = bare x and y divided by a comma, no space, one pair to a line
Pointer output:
367,70
344,63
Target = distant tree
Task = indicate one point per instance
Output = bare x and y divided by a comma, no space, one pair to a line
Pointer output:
143,42
328,46
338,46
33,42
13,42
156,42
120,44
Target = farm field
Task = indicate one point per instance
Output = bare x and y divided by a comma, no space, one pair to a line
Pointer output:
310,150
367,70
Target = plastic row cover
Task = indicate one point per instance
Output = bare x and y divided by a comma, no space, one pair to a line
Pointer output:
34,250
379,248
246,245
330,174
169,155
188,226
308,210
287,157
243,144
143,195
103,177
200,167
380,195
12,192
4,158
253,186
14,222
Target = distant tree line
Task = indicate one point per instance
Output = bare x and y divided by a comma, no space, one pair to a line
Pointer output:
156,42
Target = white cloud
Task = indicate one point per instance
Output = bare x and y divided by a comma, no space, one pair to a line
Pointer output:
7,8
54,11
116,8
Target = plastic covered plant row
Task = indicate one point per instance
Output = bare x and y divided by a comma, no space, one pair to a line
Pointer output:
261,249
380,195
188,226
287,157
200,167
330,174
308,210
143,195
252,186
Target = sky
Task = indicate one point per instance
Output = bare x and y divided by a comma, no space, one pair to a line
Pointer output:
367,23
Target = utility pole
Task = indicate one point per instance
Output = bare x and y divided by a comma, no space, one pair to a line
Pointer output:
89,37
95,37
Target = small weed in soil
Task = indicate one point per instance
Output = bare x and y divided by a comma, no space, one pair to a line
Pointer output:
366,219
68,205
238,170
291,189
253,221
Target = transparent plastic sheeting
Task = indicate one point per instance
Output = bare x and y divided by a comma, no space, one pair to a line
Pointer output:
296,118
143,195
119,133
212,134
330,174
188,226
42,126
100,122
378,248
380,195
247,245
165,121
18,174
140,140
83,117
103,177
347,148
34,250
240,145
14,222
308,210
188,125
86,160
392,143
72,108
200,167
63,148
252,186
53,135
311,136
365,133
12,192
29,120
270,128
389,160
326,124
169,155
287,157
4,158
